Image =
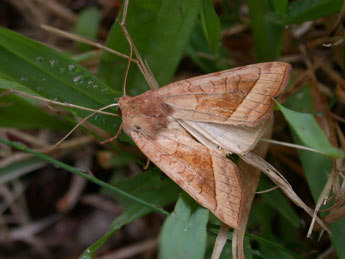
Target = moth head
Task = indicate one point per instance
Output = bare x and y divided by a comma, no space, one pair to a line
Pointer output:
145,113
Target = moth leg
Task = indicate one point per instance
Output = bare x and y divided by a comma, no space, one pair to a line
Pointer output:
114,137
147,164
80,123
222,237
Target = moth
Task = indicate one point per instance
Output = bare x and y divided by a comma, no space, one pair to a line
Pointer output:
187,128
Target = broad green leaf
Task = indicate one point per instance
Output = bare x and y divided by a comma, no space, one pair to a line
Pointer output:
264,218
55,76
184,232
309,131
279,202
210,24
160,29
279,6
87,26
198,44
317,168
17,112
150,187
308,10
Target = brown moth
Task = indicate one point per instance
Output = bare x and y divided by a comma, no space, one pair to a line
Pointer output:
186,128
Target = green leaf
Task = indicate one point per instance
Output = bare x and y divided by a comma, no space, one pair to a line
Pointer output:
87,26
160,29
88,177
184,231
150,187
9,84
55,76
309,131
279,6
198,44
317,169
302,11
268,36
210,24
20,168
17,112
279,202
264,218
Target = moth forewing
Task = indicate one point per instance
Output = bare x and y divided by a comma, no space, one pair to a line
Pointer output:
239,96
206,175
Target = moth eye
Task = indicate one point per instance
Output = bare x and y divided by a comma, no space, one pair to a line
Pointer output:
137,127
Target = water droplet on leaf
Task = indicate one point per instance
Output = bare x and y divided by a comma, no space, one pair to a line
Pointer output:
77,78
39,59
71,67
52,62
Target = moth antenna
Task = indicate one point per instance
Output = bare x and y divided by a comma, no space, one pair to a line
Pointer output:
115,137
286,144
144,68
80,123
64,104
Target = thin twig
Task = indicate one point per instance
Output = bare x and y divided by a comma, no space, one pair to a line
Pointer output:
286,144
